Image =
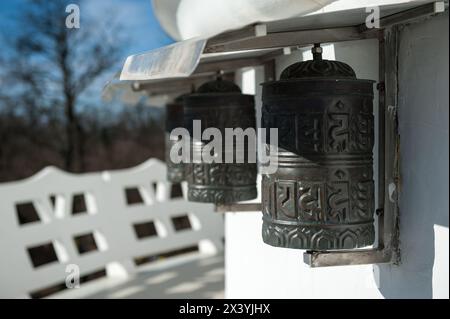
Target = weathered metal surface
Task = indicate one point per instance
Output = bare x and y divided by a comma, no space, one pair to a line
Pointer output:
220,104
174,119
322,196
389,239
346,257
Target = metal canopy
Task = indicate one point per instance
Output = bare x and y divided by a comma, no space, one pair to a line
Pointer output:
259,44
342,18
321,27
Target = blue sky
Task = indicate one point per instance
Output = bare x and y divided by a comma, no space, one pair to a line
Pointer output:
140,28
136,16
144,31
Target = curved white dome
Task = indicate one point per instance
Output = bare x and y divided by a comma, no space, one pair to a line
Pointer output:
210,17
166,13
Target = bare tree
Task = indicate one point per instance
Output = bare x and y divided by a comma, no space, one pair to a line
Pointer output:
50,67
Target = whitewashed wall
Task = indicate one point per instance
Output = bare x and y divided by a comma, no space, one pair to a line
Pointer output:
108,216
256,270
424,142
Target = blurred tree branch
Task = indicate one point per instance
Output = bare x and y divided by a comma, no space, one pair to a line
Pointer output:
50,67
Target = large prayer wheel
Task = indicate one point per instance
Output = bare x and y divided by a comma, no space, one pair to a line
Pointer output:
322,195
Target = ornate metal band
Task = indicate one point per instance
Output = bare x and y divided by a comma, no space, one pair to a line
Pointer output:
336,202
318,238
221,195
221,183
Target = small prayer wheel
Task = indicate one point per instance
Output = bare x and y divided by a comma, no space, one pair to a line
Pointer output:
220,104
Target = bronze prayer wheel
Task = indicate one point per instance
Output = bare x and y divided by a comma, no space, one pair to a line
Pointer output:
322,195
174,119
220,104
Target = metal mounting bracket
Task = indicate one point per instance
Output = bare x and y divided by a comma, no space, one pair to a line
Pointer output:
387,247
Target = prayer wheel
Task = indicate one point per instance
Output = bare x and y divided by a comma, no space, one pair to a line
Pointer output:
322,195
220,104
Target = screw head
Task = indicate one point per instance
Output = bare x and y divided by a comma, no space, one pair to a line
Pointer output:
317,50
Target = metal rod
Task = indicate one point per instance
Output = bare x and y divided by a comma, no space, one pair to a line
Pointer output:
391,139
381,139
289,39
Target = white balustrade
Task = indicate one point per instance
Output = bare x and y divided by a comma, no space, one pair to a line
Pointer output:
95,206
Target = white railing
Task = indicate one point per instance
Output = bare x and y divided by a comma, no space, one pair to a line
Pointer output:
45,203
